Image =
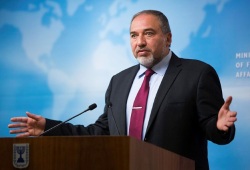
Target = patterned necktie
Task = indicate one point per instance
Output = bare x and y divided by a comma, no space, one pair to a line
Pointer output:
139,107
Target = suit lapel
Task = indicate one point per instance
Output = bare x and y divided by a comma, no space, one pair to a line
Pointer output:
123,96
168,79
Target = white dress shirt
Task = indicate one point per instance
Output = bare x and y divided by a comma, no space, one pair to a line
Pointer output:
154,84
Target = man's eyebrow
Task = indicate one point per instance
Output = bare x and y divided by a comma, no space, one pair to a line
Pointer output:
147,29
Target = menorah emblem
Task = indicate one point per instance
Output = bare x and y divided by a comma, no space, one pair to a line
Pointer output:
21,155
20,150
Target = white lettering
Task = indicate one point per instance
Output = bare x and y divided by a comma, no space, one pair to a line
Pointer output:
248,64
242,74
242,55
239,65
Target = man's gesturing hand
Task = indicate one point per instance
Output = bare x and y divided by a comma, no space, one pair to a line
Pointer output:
226,118
32,125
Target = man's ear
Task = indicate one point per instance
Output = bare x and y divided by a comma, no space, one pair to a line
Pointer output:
168,39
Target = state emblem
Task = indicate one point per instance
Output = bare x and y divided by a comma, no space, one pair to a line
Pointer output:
21,155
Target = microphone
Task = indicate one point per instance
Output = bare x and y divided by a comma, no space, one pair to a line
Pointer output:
112,115
91,107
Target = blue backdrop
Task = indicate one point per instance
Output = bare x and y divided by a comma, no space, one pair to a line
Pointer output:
57,57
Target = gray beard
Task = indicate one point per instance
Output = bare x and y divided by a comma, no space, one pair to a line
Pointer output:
146,61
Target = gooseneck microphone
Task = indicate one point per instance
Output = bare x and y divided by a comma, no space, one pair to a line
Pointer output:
91,107
112,115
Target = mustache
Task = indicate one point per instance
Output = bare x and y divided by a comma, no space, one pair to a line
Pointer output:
142,49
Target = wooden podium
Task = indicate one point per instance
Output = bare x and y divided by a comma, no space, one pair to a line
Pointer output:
92,153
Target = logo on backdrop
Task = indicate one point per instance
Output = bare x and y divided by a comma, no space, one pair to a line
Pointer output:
21,155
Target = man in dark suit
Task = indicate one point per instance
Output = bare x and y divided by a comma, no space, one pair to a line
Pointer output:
184,106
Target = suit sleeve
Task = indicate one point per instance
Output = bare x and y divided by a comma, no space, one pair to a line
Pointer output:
209,102
100,127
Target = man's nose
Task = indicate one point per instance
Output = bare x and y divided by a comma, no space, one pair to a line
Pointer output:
141,41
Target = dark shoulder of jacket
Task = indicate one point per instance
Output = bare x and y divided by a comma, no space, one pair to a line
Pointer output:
128,70
195,64
187,62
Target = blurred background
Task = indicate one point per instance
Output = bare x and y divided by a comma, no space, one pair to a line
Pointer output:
57,57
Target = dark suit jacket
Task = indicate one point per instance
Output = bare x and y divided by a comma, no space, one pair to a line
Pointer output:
183,116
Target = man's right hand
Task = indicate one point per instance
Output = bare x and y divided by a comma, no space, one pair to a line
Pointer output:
32,125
